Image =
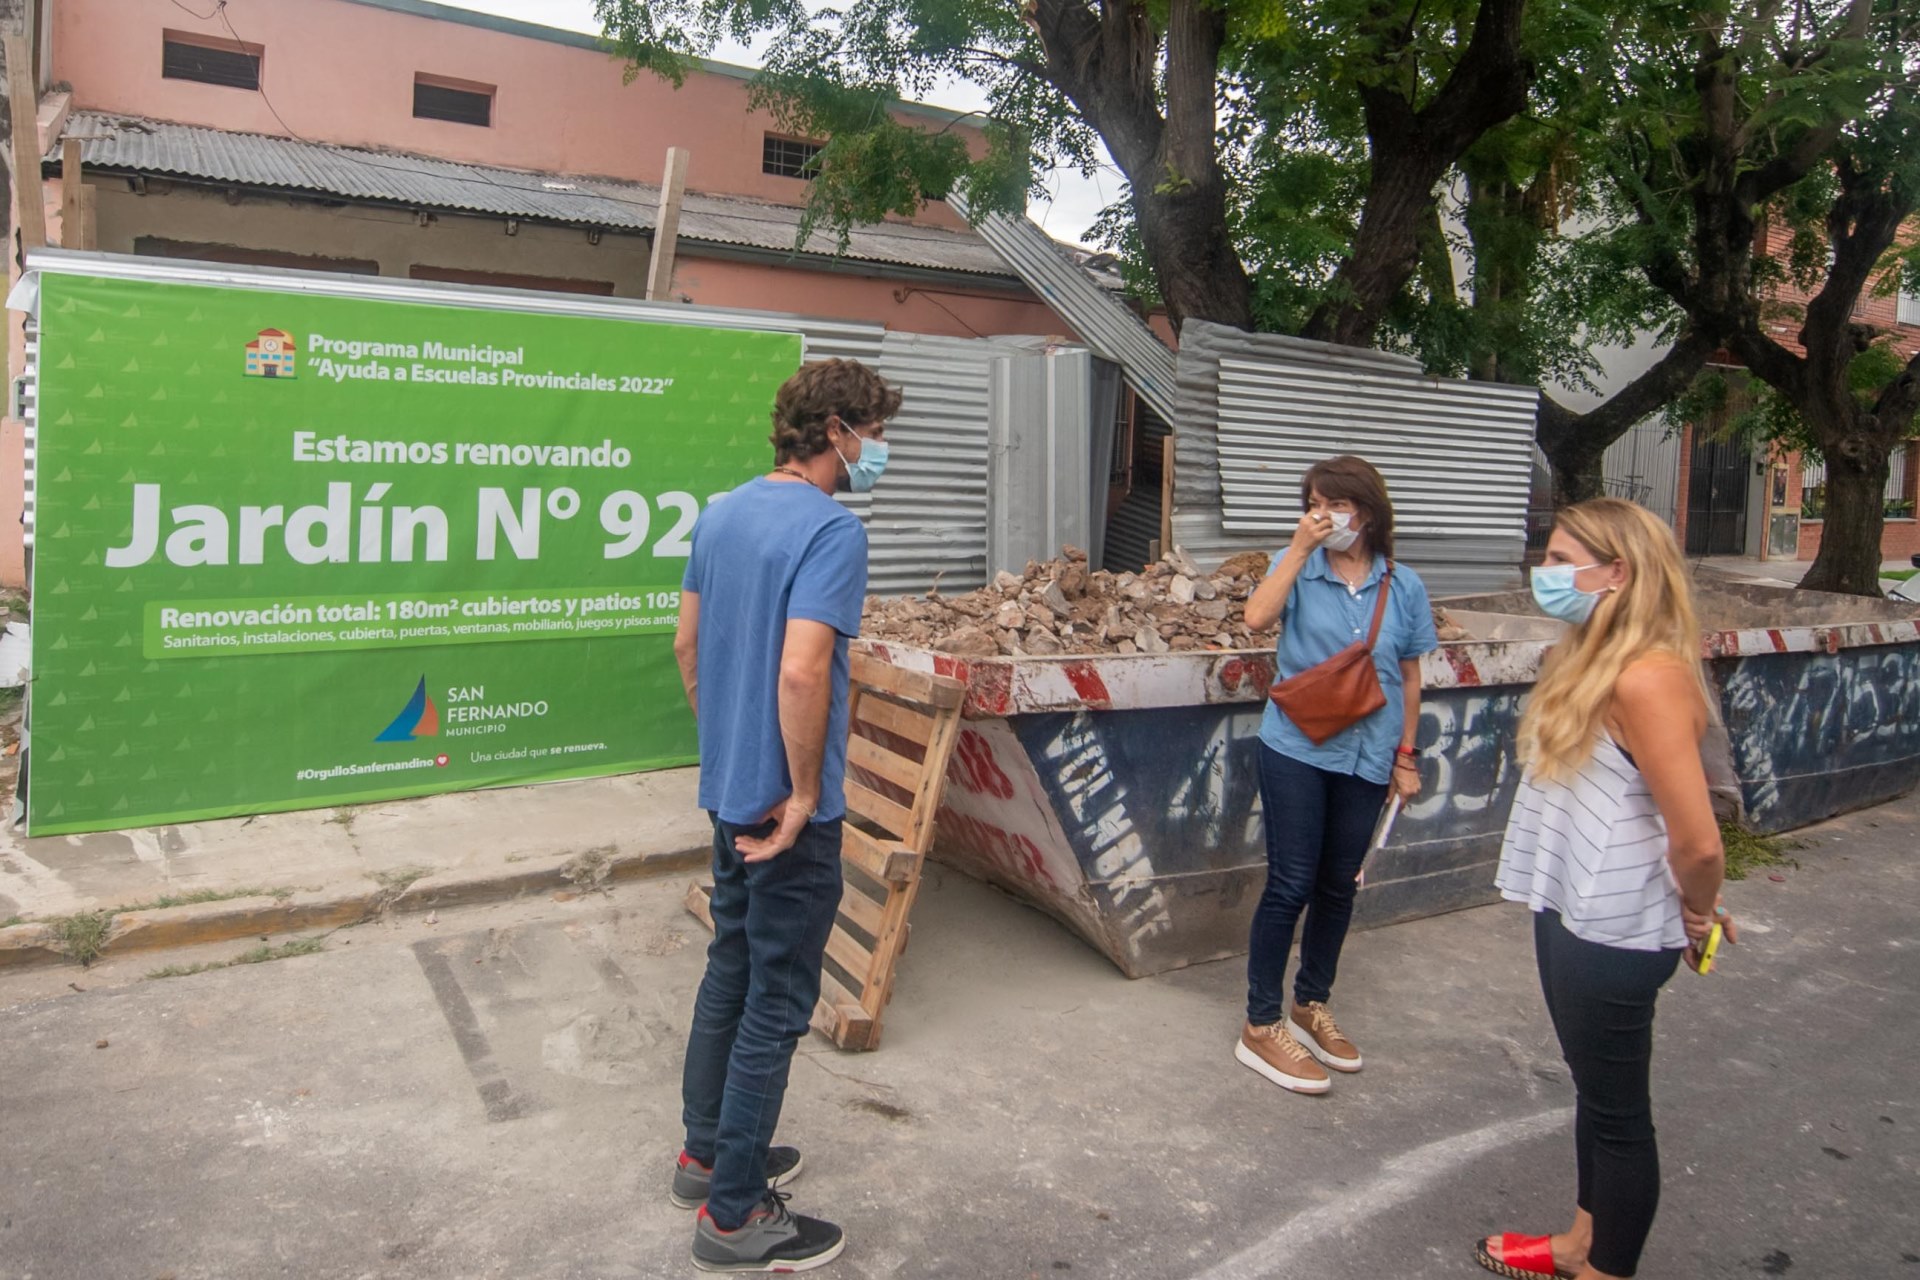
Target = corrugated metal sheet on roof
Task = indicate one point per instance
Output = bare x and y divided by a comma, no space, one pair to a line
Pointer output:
131,144
1101,319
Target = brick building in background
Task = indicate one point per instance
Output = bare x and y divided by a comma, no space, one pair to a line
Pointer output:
410,139
1733,498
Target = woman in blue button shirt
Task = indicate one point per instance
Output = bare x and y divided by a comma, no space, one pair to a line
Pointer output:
1320,802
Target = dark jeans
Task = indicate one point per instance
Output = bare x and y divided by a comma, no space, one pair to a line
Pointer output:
770,925
1601,1001
1318,825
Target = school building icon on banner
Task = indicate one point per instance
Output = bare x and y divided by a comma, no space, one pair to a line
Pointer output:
271,355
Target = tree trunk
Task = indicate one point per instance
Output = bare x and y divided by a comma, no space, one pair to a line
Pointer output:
1576,443
1152,99
1849,559
1386,247
1194,262
1577,476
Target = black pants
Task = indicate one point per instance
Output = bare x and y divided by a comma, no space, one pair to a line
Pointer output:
1601,1001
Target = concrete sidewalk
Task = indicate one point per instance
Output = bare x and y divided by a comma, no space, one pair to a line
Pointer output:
497,1095
1782,573
319,868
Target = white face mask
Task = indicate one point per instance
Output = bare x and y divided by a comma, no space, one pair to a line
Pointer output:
1343,535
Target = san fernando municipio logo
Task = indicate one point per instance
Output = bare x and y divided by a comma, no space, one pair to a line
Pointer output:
271,355
418,719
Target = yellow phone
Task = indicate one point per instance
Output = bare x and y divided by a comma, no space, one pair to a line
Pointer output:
1704,962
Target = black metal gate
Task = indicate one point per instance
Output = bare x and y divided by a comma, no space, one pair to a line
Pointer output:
1717,497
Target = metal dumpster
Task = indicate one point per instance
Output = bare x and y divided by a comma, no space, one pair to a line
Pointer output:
1819,693
1120,793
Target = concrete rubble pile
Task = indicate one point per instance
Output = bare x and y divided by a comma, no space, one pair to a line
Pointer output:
1062,607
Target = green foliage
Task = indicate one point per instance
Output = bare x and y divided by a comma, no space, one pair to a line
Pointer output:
1565,231
839,75
1749,851
254,955
83,935
1764,415
263,953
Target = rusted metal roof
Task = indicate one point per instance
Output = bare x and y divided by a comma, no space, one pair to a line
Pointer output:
137,145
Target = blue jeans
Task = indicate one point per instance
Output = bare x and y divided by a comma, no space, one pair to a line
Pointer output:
770,925
1318,825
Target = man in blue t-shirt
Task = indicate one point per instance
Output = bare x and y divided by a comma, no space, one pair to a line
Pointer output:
773,591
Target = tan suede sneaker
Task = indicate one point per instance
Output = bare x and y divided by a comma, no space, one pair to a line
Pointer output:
1324,1040
1281,1059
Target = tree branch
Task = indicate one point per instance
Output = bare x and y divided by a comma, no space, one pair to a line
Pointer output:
1772,363
1105,66
1487,86
1898,401
1038,71
1562,432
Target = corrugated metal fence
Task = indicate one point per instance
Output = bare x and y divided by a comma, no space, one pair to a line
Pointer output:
1457,455
29,408
928,518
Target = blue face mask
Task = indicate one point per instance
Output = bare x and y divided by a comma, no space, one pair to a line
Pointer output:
1554,592
864,471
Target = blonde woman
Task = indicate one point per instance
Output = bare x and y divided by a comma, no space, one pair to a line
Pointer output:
1614,845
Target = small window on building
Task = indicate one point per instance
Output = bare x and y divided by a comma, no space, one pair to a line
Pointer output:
1909,312
461,101
789,157
184,56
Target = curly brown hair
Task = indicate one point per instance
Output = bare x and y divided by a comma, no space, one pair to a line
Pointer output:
1359,482
818,392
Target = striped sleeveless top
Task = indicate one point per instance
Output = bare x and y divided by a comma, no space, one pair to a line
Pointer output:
1594,850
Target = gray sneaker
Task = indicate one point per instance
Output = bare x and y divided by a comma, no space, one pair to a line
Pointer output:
691,1178
771,1239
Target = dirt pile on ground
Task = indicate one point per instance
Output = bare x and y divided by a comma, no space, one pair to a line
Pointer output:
1062,607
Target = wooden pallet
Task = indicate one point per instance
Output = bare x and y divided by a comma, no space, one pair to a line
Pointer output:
902,729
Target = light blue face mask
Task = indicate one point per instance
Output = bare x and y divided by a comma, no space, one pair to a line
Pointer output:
865,471
1554,592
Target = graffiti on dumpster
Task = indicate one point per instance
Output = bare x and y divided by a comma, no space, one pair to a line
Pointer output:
1203,797
1815,735
994,819
978,771
1093,805
1468,771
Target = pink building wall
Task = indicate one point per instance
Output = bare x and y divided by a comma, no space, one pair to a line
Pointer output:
344,73
913,308
340,72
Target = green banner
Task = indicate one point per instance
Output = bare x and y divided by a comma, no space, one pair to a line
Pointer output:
296,551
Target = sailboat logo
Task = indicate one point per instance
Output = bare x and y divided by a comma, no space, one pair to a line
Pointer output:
418,719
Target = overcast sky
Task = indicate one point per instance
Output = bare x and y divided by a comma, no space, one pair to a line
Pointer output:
1076,203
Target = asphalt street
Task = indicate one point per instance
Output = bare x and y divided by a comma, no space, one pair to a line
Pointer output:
494,1093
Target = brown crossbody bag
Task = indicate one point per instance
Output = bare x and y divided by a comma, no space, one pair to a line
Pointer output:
1329,696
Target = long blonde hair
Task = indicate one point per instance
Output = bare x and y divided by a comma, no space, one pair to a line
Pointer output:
1652,613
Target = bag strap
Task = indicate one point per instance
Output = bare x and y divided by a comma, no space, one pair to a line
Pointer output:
1380,605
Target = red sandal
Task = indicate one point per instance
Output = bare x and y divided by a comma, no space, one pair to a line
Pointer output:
1521,1257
